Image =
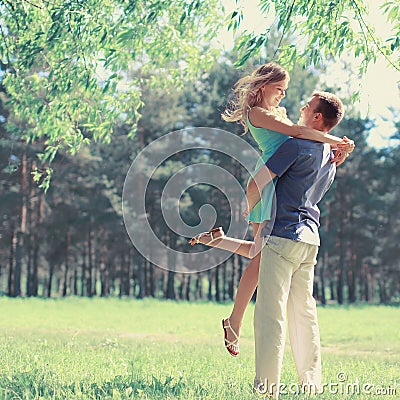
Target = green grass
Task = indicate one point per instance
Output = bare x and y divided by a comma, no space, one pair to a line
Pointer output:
127,349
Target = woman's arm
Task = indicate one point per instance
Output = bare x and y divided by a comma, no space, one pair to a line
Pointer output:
265,119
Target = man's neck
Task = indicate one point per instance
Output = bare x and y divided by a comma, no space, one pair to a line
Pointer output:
318,128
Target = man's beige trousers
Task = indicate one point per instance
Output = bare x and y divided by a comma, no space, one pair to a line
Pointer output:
286,284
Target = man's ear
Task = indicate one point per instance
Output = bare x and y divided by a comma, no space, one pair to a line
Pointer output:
318,117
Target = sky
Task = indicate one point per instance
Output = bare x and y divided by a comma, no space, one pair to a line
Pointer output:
378,88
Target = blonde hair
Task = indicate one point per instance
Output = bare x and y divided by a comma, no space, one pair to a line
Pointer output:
247,91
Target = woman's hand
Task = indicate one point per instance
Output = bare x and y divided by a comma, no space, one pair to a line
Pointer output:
343,150
346,145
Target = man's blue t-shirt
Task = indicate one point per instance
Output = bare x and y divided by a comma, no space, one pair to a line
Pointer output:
305,174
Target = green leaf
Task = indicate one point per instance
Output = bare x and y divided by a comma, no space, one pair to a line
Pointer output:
182,19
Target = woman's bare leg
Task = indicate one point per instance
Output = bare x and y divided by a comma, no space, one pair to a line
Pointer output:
248,281
247,286
217,238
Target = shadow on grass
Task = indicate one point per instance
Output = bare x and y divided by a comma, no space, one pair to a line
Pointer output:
38,385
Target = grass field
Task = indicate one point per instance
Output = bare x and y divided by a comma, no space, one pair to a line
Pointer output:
128,349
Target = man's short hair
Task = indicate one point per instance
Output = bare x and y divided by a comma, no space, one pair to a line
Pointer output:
331,108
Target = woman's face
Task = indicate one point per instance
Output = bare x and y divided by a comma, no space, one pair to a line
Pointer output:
273,93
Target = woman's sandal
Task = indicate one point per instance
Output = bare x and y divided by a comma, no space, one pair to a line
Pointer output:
232,347
196,239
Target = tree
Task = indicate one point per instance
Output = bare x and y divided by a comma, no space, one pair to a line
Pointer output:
66,62
360,219
75,241
322,31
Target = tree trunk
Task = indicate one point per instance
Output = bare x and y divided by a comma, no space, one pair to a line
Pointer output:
341,269
104,279
366,287
322,276
58,285
142,277
332,289
132,277
147,278
65,280
127,277
393,285
224,282
351,284
140,258
18,264
231,290
32,227
199,286
315,293
94,262
83,270
124,277
21,232
10,285
171,259
66,265
152,280
217,290
89,272
382,292
382,287
34,279
171,286
181,288
341,273
75,279
209,294
325,258
188,282
50,280
352,273
372,287
29,266
339,287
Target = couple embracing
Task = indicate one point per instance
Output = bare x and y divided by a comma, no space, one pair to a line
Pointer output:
297,165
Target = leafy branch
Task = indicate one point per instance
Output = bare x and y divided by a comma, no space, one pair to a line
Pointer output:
284,28
364,25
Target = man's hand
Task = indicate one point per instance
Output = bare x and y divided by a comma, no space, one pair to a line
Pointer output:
245,214
340,157
343,150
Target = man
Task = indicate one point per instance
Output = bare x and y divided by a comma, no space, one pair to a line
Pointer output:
305,172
